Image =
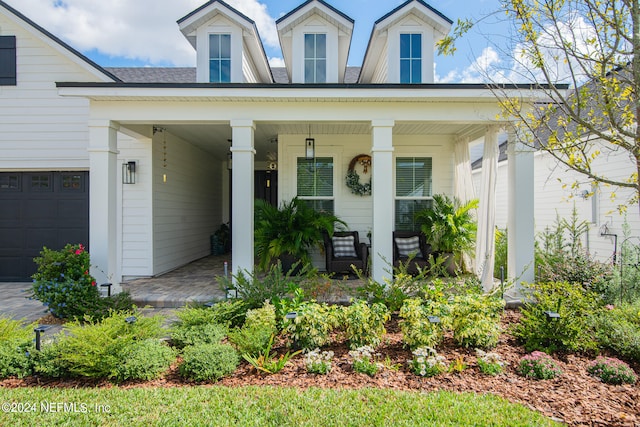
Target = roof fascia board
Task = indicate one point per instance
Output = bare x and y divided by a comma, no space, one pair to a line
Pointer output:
60,46
283,24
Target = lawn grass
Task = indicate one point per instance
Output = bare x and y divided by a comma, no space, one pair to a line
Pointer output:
260,406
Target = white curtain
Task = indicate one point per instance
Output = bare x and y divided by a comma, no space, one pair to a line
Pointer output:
485,240
462,173
463,183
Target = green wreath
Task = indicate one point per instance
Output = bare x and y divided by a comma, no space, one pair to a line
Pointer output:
353,179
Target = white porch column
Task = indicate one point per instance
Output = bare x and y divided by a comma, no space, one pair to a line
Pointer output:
242,194
382,193
486,235
103,174
520,224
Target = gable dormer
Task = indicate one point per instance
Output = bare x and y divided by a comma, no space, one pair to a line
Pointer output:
402,45
315,39
227,43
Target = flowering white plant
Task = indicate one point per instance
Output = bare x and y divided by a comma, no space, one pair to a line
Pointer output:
427,362
318,362
364,360
490,363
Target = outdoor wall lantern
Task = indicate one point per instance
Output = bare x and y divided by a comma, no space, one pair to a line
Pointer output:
39,330
310,147
129,172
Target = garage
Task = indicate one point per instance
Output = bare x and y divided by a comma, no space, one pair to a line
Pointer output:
40,209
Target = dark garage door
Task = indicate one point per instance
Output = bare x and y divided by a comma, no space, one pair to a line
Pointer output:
40,209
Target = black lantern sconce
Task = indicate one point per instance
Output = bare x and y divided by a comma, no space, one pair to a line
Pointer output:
310,147
129,172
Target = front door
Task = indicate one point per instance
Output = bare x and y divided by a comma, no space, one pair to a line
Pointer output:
266,186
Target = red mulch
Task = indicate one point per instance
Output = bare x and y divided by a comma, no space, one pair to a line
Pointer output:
575,397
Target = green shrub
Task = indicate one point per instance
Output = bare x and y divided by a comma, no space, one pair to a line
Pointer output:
49,362
618,329
251,340
572,331
364,323
230,312
427,363
15,359
476,320
538,365
97,348
312,325
145,360
417,330
182,336
501,248
263,317
63,282
203,362
255,288
267,362
612,371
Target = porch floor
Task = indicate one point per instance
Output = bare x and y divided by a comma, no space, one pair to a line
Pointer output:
197,282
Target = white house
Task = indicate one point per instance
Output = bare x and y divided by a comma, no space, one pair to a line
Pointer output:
556,196
69,126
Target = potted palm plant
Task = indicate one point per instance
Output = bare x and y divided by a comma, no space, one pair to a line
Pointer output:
287,232
450,227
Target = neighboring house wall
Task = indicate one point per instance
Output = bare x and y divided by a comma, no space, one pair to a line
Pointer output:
186,208
41,130
554,199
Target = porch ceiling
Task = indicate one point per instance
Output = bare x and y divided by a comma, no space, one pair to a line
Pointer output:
214,138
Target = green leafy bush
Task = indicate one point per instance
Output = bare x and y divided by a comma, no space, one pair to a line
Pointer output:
612,371
476,320
364,360
417,330
145,360
230,312
312,325
253,337
255,288
97,348
427,362
618,329
538,365
572,331
204,362
63,282
183,336
364,323
15,348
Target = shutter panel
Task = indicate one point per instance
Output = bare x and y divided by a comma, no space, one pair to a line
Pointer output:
8,61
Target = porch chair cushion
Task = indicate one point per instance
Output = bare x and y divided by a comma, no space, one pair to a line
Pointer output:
408,246
343,246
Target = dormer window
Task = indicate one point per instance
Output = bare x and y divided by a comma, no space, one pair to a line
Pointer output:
220,58
315,58
410,58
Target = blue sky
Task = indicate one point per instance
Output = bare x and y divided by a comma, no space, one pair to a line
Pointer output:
145,33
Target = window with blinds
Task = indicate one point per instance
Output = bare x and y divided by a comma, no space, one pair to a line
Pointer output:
315,182
413,190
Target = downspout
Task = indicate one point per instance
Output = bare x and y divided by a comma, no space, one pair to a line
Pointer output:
604,231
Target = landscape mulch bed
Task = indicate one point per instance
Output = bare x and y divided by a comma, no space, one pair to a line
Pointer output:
575,397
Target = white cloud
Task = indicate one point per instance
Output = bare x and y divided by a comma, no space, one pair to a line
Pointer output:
144,30
276,62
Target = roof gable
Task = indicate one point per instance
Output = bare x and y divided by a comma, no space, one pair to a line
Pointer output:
62,47
412,13
252,43
309,14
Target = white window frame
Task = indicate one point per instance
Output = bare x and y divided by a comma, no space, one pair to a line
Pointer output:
396,197
315,59
230,58
411,58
